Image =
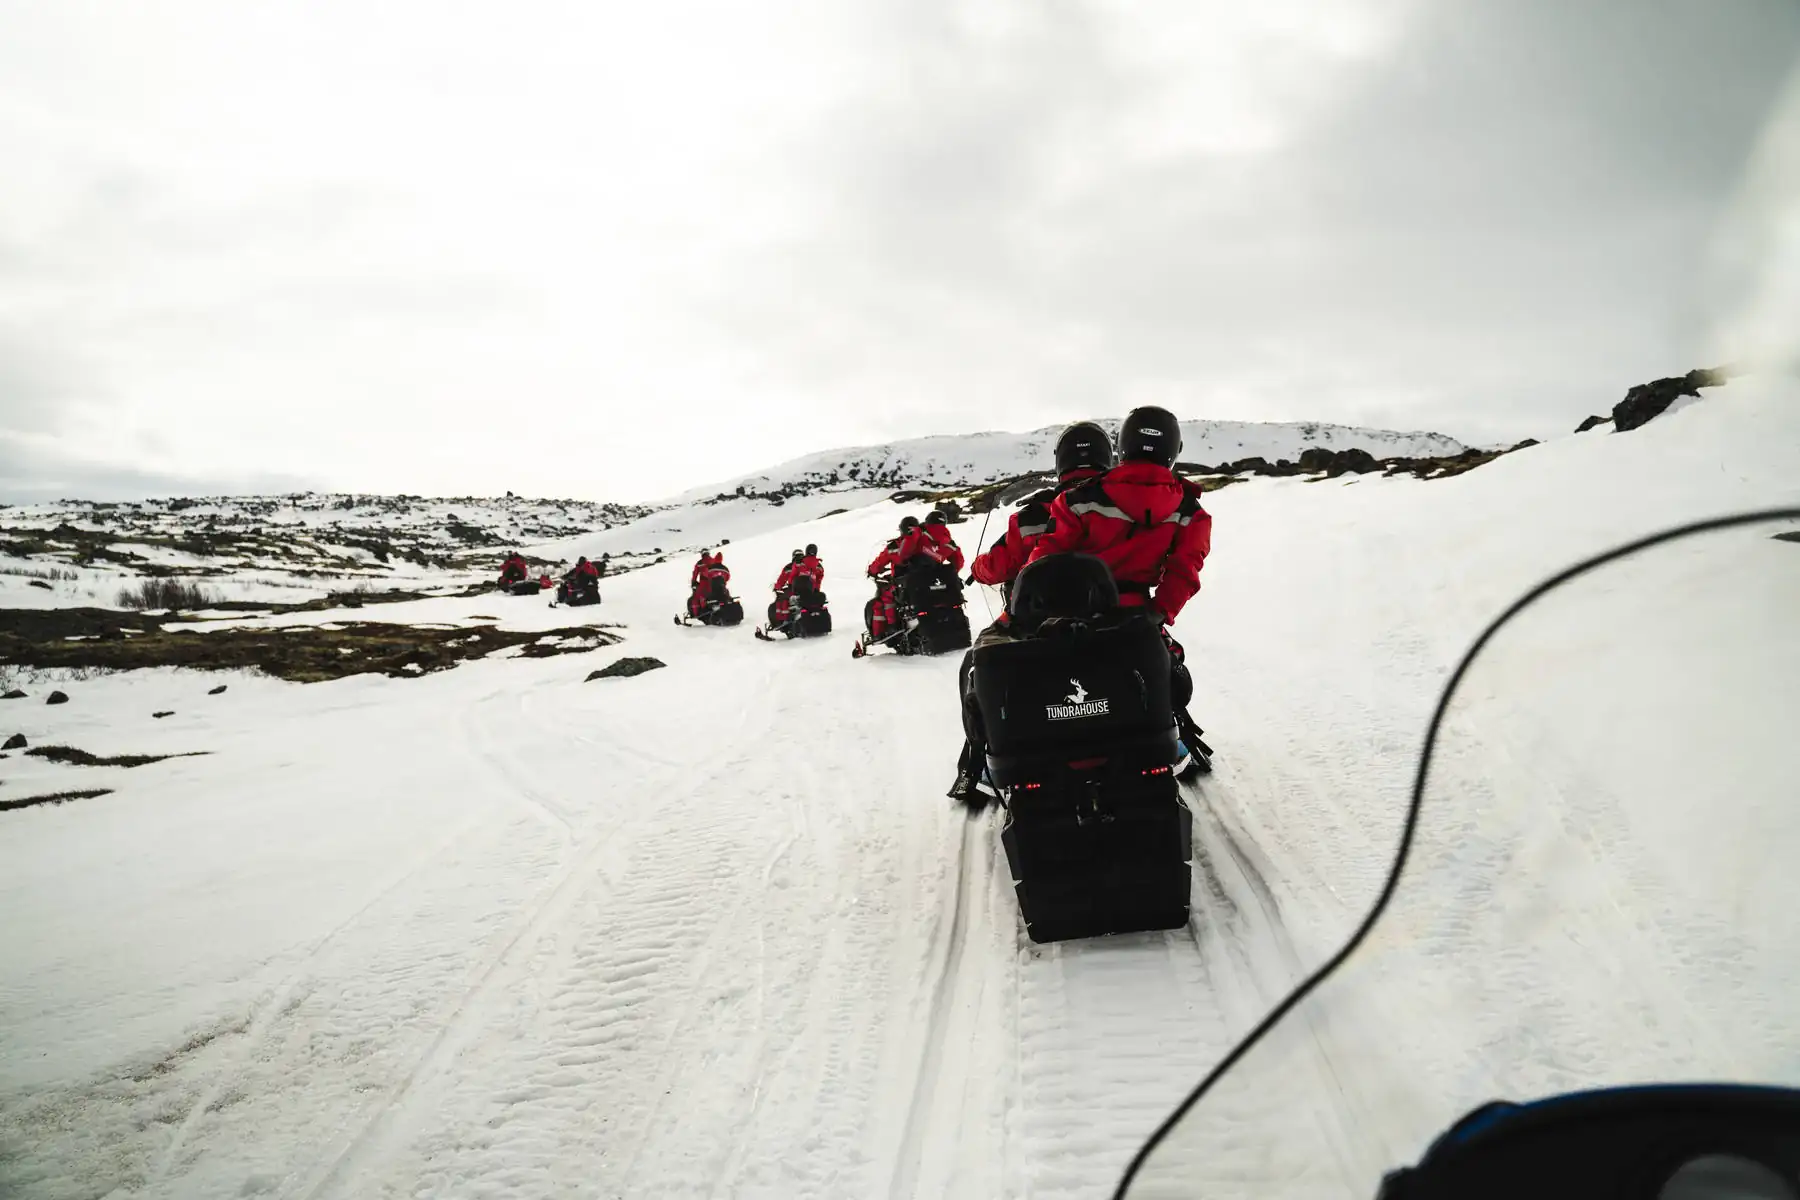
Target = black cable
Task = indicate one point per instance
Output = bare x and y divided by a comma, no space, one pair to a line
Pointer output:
1420,781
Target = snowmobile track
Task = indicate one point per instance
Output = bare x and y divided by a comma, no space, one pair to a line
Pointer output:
948,982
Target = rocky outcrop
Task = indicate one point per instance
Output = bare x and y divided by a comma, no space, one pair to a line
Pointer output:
1648,401
625,668
1591,422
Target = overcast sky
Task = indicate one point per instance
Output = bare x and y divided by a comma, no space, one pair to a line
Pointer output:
616,250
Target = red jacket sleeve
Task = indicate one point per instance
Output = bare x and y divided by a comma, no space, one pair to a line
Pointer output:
1004,559
882,562
785,578
1181,570
1066,532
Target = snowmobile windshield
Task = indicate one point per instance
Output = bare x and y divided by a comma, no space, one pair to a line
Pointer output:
1601,887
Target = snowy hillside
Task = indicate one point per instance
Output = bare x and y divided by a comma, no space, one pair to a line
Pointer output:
273,547
965,459
714,930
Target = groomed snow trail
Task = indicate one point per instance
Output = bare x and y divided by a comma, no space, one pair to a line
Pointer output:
714,931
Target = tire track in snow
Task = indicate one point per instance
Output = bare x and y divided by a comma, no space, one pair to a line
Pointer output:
951,981
271,1009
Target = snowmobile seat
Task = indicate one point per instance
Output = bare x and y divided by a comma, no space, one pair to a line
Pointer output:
924,585
1063,585
815,613
528,587
1073,690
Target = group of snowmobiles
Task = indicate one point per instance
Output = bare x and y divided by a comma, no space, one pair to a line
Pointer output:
799,610
577,588
918,606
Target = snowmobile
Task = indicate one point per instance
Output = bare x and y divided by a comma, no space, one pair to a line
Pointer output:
1071,704
928,596
577,594
526,587
808,613
1590,906
719,608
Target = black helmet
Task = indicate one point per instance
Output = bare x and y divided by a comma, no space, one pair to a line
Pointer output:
1083,446
908,524
812,549
799,554
1150,435
937,516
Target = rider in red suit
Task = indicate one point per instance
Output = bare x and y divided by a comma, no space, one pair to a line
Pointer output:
709,573
1139,518
1082,453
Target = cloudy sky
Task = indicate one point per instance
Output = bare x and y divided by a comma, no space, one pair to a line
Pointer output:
614,250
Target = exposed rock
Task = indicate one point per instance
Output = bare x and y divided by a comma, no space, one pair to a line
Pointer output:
38,583
15,742
625,668
57,698
1338,462
1648,401
218,691
1591,422
1528,442
160,715
15,694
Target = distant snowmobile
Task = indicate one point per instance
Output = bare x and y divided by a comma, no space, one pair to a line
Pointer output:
580,587
800,611
927,609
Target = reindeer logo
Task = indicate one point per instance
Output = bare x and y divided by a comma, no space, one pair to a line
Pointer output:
1079,695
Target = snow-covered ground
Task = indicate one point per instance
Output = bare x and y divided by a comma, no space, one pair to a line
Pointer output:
714,931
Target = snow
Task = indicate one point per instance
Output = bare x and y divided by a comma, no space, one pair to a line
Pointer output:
713,930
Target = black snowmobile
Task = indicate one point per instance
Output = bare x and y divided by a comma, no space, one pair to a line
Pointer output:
928,596
1072,706
578,593
808,613
720,608
1588,907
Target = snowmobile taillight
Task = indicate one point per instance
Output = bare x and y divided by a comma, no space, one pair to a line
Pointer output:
1159,770
1029,787
1086,764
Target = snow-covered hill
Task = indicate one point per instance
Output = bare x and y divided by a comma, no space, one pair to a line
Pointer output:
966,459
714,931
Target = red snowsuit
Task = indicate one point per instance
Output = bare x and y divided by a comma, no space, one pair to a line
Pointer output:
783,589
810,565
1145,524
1003,561
707,571
514,570
882,614
944,547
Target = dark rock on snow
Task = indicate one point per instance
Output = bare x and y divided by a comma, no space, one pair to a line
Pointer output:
218,691
625,668
1648,401
15,694
57,698
15,742
1591,422
38,583
159,716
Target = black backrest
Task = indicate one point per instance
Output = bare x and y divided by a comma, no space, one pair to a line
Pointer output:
1072,686
1063,585
802,585
925,584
